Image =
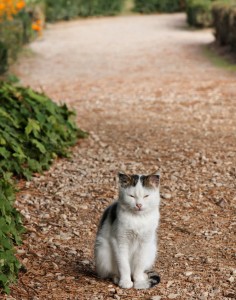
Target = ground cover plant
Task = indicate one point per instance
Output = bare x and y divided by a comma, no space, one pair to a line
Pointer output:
33,131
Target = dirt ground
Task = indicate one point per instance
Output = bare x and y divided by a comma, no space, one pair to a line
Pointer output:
150,99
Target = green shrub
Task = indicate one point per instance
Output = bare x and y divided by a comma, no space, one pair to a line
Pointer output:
159,6
199,13
10,231
69,9
11,40
224,22
33,131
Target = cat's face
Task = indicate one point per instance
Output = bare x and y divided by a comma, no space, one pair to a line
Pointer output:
139,193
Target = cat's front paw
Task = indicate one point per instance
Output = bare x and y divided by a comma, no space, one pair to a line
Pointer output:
141,285
125,284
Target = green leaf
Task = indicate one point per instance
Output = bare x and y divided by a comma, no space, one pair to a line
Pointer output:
39,145
32,126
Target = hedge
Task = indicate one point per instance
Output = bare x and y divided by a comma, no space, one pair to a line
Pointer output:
152,6
224,22
33,131
69,9
199,13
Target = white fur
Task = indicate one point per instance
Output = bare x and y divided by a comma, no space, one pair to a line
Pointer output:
127,248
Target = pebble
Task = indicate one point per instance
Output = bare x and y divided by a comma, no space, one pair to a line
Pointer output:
231,279
155,298
166,196
209,260
83,206
179,255
173,296
21,251
85,262
188,273
169,283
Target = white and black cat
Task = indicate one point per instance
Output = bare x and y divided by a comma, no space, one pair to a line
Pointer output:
126,242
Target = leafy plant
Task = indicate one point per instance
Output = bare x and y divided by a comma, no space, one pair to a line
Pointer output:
10,231
33,131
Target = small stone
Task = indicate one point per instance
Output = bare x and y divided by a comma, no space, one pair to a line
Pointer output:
155,298
112,290
85,262
169,283
166,196
83,206
179,255
173,296
188,273
230,279
209,260
21,251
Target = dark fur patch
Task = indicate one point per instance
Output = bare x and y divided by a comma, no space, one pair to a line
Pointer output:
111,213
150,181
128,180
154,278
134,180
104,217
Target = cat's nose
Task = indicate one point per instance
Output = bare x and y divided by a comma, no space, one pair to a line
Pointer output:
139,205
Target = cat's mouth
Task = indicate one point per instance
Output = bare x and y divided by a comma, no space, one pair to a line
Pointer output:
138,210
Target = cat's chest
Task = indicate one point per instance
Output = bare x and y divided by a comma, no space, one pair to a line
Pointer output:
136,228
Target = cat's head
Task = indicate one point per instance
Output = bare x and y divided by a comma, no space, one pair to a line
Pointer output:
139,193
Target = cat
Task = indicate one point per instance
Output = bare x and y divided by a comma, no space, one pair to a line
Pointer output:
126,241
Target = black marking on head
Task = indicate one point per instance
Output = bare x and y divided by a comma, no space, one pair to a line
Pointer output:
113,212
142,179
150,181
134,180
128,180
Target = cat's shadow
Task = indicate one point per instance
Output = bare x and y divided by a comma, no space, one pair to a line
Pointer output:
86,268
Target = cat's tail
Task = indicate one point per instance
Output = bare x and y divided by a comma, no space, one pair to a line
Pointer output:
153,278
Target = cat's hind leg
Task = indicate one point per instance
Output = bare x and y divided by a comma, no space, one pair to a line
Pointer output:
104,260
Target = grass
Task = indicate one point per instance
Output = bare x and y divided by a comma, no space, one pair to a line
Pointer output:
220,58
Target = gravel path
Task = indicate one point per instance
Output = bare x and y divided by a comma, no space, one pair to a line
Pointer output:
150,99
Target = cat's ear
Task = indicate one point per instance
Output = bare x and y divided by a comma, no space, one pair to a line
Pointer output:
154,179
124,180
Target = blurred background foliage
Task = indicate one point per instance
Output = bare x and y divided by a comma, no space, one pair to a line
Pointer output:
23,20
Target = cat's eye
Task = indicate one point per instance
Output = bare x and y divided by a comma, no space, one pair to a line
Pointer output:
131,196
145,196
